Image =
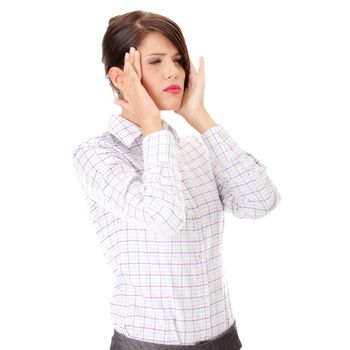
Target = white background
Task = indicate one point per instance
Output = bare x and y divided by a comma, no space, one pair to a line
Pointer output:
277,78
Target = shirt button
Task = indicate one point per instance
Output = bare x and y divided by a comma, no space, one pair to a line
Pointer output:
163,165
199,257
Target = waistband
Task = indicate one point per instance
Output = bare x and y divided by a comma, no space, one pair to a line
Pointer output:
227,340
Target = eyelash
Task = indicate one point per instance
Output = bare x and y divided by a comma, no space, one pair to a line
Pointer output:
158,61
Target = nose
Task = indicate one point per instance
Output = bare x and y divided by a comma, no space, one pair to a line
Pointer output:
171,70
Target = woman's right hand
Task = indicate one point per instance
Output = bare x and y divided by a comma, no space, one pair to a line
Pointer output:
137,100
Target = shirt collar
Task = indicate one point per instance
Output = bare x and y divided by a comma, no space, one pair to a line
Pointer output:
128,132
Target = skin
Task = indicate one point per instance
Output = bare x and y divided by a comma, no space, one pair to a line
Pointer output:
145,76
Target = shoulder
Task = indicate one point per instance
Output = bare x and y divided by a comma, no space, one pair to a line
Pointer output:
104,140
98,149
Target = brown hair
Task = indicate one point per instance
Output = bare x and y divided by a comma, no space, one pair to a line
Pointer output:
129,29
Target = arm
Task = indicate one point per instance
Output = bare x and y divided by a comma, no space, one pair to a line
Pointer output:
153,199
244,187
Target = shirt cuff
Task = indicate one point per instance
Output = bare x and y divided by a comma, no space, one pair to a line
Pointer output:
218,139
158,149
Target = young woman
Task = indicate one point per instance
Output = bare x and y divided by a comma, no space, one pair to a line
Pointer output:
157,200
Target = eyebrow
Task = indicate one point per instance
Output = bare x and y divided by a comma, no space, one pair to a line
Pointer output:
162,54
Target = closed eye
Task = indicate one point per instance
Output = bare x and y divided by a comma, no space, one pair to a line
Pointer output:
158,61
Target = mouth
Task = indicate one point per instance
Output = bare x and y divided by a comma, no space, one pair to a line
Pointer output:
173,89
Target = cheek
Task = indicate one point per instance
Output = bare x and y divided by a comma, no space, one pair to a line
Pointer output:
146,72
147,84
151,84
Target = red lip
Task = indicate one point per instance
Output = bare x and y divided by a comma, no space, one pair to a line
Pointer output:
174,87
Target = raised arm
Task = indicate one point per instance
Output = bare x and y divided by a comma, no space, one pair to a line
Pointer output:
244,187
153,199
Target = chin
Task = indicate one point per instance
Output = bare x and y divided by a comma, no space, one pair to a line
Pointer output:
173,106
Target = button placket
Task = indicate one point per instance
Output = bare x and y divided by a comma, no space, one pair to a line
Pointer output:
200,258
201,254
203,258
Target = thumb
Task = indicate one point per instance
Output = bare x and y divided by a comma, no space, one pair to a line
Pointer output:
121,103
124,105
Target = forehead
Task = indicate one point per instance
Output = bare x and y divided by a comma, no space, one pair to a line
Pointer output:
156,42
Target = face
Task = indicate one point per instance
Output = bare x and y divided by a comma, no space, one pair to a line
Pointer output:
161,66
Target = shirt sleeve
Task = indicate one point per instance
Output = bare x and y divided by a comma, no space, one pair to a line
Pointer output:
153,198
244,187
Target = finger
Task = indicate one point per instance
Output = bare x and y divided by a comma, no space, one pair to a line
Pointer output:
138,63
201,66
133,59
132,55
126,56
192,68
123,104
120,103
129,69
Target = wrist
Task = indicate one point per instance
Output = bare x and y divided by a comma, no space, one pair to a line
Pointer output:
149,128
202,121
150,119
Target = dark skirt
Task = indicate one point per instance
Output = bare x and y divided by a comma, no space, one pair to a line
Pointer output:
227,340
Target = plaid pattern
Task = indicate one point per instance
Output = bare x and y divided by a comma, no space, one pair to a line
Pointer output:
157,203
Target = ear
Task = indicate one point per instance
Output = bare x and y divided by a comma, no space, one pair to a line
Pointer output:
116,76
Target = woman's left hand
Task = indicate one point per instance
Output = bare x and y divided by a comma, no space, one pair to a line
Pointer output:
193,98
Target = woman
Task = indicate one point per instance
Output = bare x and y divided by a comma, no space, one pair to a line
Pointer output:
158,201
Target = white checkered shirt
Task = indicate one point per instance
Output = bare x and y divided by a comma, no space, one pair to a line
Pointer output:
157,203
